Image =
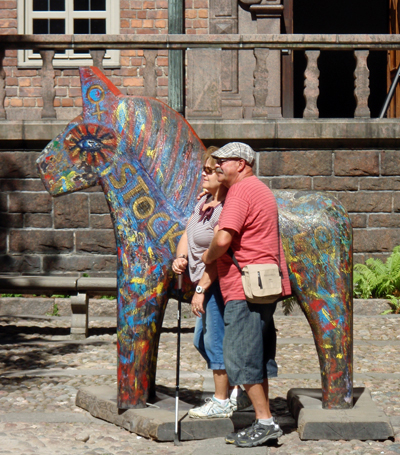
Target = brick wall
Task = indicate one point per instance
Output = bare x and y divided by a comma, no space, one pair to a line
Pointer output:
73,234
366,182
23,86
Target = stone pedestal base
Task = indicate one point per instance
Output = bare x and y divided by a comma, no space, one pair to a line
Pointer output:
364,421
156,421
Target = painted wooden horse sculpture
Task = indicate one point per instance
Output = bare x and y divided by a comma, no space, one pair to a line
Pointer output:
148,161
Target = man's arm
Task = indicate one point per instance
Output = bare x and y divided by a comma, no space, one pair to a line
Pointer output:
220,244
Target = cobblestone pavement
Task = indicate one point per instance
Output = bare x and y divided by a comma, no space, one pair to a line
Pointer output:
41,370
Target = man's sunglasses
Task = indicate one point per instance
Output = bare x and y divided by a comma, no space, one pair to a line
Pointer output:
208,170
220,161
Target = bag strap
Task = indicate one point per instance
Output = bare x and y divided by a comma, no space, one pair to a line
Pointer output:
232,254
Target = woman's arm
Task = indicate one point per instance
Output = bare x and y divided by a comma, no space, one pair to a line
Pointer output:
180,263
209,276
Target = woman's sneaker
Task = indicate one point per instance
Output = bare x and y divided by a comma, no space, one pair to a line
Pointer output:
241,401
257,434
212,409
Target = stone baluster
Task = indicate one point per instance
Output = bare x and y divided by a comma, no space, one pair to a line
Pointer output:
361,85
97,57
149,74
48,91
260,83
311,85
2,85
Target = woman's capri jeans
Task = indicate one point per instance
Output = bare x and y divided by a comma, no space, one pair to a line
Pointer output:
209,330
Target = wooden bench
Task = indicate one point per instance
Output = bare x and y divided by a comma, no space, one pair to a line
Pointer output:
78,288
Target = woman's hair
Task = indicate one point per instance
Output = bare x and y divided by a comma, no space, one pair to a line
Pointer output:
209,152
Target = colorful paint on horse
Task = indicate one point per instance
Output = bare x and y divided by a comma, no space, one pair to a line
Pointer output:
148,161
317,239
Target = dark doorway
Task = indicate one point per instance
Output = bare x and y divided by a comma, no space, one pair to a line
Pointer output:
337,67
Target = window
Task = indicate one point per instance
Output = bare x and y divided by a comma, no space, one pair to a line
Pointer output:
70,17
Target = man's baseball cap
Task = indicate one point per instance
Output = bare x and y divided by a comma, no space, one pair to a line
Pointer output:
236,150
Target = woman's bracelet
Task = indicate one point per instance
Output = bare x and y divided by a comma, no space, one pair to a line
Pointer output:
182,256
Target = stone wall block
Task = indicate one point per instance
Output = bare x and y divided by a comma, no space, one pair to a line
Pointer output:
20,264
11,220
79,263
390,162
356,163
18,164
71,211
358,220
38,220
21,185
34,241
396,202
295,163
366,201
380,183
3,241
98,203
335,184
30,202
101,222
377,220
96,241
3,203
375,240
291,183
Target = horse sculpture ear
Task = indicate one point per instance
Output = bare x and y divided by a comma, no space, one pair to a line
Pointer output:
98,94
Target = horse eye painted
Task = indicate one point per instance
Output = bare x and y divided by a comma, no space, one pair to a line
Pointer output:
89,144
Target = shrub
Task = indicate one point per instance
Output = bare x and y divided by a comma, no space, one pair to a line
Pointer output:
376,278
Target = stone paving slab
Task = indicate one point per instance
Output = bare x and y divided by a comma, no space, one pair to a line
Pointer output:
156,422
364,421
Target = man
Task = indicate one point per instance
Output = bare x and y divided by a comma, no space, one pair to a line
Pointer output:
249,225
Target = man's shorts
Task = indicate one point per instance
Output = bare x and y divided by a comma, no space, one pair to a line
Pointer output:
249,342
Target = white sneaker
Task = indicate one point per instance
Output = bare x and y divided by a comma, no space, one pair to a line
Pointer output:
241,401
212,409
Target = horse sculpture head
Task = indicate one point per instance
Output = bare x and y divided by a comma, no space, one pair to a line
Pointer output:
141,129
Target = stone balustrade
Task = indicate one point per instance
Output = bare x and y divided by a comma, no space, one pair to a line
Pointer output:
262,46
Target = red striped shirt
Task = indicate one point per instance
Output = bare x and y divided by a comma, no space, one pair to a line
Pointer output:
250,210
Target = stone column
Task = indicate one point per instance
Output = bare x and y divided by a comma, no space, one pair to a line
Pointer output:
261,88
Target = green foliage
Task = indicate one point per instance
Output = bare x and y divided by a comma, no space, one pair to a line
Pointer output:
378,279
108,297
394,303
11,295
55,311
288,305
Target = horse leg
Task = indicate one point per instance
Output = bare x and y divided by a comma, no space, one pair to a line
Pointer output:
320,266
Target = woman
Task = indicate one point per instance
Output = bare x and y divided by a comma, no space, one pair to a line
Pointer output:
207,302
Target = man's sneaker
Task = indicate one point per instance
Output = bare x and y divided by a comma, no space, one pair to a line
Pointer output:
230,438
212,409
257,434
241,401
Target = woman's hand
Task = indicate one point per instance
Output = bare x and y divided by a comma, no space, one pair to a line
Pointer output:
179,265
198,304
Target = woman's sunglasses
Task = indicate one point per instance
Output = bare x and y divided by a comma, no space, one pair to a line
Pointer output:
208,170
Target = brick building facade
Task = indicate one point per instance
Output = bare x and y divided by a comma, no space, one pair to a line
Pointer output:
355,159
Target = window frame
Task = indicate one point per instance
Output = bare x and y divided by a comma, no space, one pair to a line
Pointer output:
29,59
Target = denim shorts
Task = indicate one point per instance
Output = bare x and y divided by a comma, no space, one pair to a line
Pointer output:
250,342
209,330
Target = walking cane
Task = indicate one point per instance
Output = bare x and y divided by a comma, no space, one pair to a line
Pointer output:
178,352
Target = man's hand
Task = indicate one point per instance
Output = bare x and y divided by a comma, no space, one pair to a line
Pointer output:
198,304
179,265
203,193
